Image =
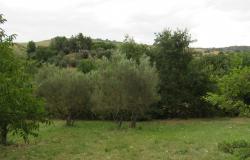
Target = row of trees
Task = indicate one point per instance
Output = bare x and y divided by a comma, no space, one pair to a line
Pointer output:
120,89
80,78
185,76
66,52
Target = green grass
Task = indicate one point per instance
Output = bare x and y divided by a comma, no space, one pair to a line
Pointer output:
163,140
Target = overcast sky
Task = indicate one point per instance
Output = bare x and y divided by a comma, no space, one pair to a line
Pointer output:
213,23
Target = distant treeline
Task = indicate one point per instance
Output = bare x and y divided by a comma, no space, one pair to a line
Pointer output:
185,75
230,49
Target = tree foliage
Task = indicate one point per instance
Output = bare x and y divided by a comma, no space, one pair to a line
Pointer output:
83,42
20,110
43,54
180,94
233,93
132,50
67,92
124,88
86,65
31,49
60,44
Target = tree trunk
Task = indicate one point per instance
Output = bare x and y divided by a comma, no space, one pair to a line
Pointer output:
120,123
133,121
4,132
69,121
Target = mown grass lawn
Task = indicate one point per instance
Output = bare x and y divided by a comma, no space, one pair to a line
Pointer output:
95,140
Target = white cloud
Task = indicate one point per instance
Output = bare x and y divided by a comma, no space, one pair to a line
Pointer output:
213,23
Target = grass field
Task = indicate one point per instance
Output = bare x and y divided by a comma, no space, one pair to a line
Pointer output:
163,140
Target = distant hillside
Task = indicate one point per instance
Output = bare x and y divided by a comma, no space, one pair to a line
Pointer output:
235,48
225,49
46,43
20,48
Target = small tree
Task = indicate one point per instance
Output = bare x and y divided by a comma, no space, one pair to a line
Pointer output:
67,92
132,50
60,44
83,43
140,84
73,44
43,54
31,49
86,65
124,88
20,110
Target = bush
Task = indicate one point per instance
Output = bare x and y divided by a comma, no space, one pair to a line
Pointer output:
239,148
86,65
67,92
124,89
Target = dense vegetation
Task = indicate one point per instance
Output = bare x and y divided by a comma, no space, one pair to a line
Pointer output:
187,78
83,78
21,110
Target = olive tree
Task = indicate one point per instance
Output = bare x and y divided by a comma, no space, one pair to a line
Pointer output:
20,110
67,91
124,88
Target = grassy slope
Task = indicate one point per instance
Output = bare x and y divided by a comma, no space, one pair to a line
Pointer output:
173,140
19,49
44,43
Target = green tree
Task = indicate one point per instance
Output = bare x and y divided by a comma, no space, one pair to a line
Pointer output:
83,43
132,50
100,52
20,110
73,44
219,65
86,65
60,44
215,65
31,49
173,57
43,54
233,93
124,88
67,92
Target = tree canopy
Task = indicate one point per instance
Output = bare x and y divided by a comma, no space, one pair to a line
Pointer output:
67,92
124,88
20,110
233,93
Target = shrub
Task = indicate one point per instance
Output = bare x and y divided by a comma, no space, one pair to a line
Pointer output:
239,148
67,92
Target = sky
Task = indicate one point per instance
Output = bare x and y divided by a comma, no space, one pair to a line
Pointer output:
212,23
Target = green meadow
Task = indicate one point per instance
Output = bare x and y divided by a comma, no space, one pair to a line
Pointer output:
195,139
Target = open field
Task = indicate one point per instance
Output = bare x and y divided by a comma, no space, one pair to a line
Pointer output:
173,140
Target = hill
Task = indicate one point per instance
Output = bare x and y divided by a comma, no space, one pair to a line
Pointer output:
46,43
224,49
